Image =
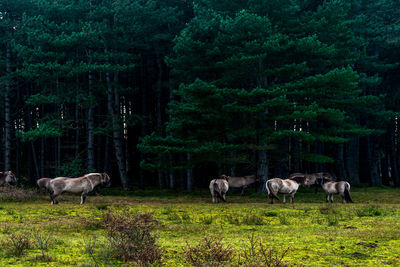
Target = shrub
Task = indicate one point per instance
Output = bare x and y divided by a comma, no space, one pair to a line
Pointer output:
210,252
43,241
283,219
17,242
253,220
256,254
207,219
131,238
271,213
370,210
12,193
99,251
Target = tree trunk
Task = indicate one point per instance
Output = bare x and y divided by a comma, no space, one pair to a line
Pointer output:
189,173
7,112
394,171
90,126
352,160
340,170
373,158
113,110
143,129
262,167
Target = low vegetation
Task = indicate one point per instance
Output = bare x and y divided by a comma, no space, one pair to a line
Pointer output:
157,228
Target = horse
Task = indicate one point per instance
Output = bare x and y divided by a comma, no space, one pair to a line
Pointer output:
342,188
240,182
314,178
287,186
43,183
84,185
8,177
218,189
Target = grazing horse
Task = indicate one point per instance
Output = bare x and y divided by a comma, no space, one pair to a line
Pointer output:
218,189
342,188
314,178
240,182
8,177
84,185
43,183
287,186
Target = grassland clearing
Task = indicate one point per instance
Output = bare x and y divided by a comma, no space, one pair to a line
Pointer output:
366,233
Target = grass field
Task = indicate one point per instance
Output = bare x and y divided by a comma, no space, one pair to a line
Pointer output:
366,233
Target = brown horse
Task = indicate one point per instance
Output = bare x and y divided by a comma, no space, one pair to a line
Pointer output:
218,189
314,178
43,183
83,185
342,188
8,177
287,186
240,182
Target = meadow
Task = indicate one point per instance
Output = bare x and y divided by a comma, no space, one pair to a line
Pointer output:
306,233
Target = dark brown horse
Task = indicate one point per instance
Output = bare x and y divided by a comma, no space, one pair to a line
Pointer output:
8,177
240,182
83,185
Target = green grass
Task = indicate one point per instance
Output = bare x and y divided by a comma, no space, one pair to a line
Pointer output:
317,234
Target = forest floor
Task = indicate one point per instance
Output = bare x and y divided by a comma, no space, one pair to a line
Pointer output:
306,233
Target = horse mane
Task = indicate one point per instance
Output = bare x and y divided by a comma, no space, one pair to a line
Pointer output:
298,178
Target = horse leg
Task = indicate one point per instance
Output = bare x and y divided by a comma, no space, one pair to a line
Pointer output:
271,199
284,198
53,198
343,198
83,197
291,198
332,198
327,197
243,188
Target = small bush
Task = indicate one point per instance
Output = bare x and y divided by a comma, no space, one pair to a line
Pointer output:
271,213
207,219
131,238
233,219
256,254
210,252
17,243
17,194
99,251
370,210
253,220
283,219
102,206
42,242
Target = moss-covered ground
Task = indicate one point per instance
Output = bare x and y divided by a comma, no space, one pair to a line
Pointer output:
366,233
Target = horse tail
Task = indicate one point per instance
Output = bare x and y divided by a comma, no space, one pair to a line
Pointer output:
347,193
271,192
217,190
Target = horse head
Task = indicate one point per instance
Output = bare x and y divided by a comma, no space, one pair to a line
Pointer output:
225,177
105,179
10,178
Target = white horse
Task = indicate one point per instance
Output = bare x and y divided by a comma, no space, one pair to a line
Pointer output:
342,188
218,189
287,186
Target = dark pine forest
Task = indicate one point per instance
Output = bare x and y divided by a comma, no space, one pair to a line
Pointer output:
172,93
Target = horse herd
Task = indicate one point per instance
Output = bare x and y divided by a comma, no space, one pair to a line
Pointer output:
220,186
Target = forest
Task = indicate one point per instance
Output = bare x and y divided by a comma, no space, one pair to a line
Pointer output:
172,93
